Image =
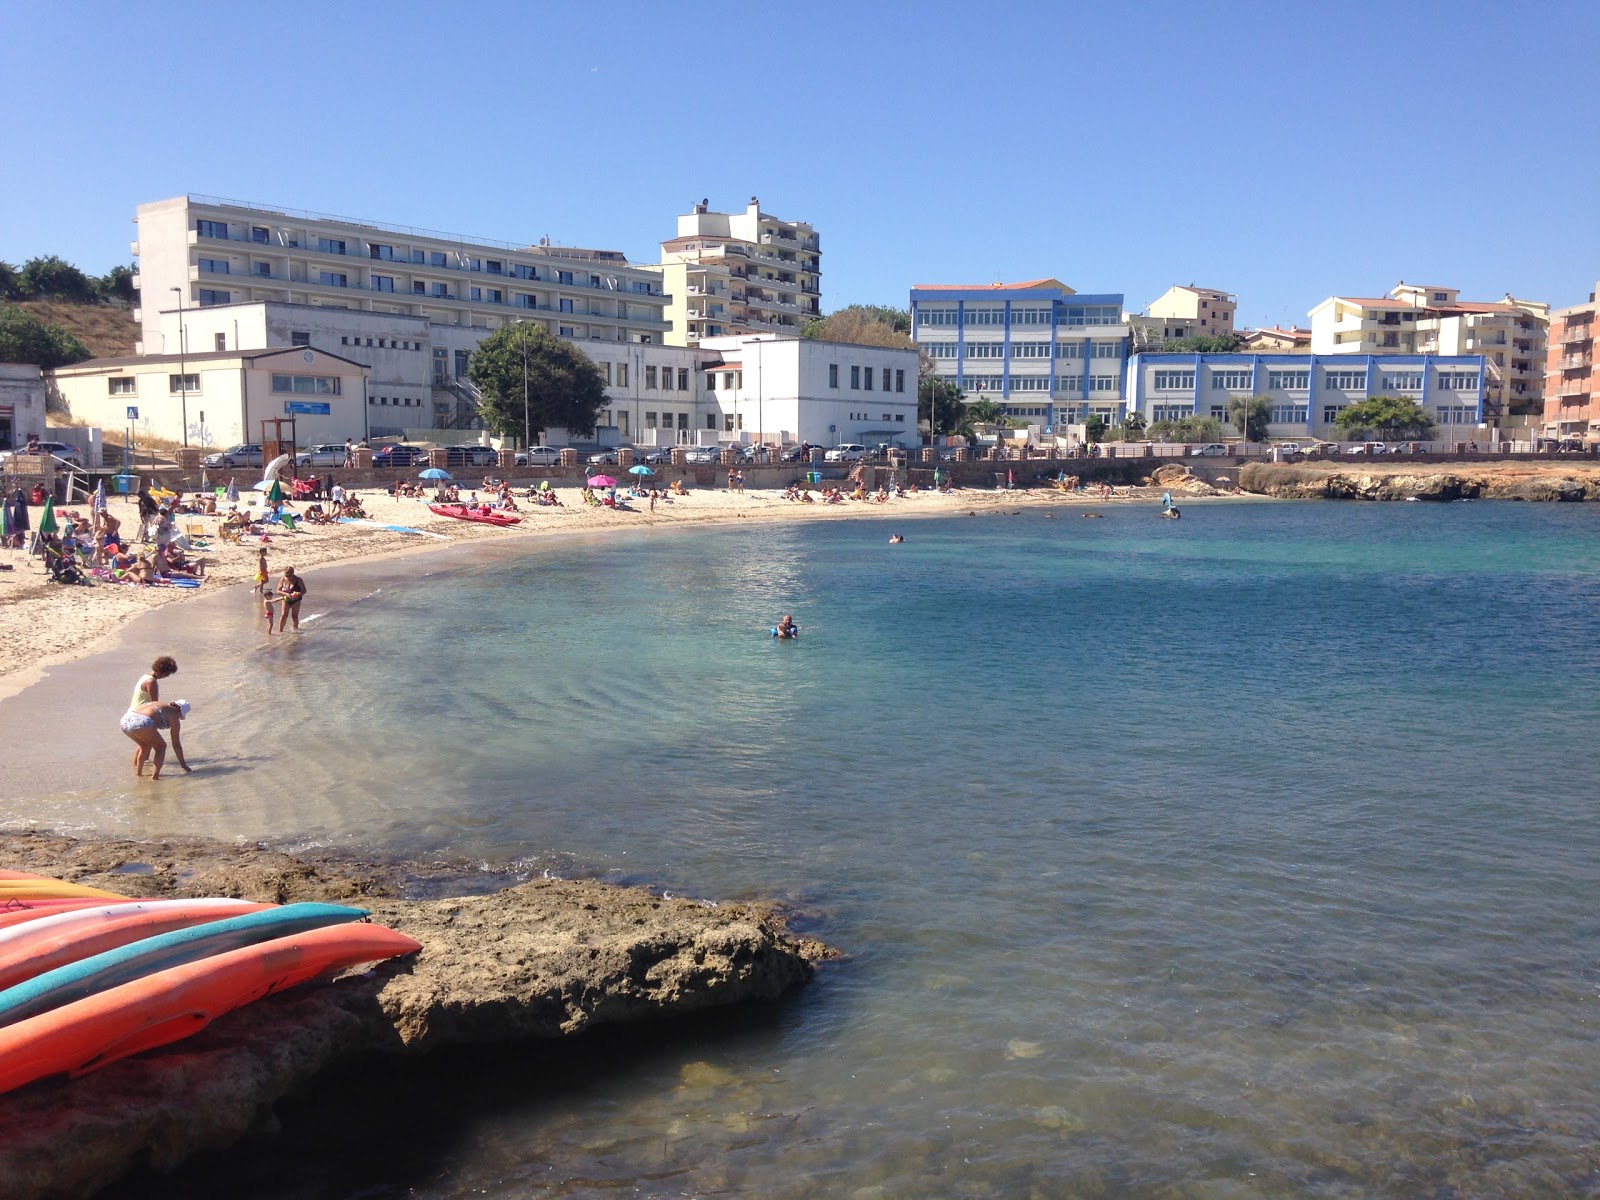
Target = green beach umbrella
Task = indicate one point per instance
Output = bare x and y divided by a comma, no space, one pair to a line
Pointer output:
275,493
47,519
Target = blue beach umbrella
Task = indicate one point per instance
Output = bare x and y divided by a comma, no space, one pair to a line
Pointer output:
641,470
435,473
99,502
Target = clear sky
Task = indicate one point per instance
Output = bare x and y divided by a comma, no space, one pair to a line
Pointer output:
1284,152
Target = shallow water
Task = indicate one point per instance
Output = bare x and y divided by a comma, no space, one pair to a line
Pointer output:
1247,855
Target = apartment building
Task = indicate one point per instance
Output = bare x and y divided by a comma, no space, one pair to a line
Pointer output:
1308,391
1045,353
1510,334
206,251
1572,381
1273,340
1183,311
730,274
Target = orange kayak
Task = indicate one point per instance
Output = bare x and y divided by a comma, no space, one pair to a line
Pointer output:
169,1005
20,885
15,912
55,939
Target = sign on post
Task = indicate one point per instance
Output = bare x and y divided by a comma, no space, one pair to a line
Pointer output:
133,412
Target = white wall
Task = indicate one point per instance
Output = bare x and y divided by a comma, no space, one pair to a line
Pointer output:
22,396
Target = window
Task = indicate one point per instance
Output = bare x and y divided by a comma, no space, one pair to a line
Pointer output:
122,385
477,294
1289,381
727,422
1108,383
1030,349
299,337
383,283
219,341
261,270
986,316
496,296
1030,316
938,316
1170,412
866,379
901,417
216,266
888,378
986,350
1330,413
649,417
1069,383
1345,381
260,233
1458,381
1288,414
524,271
207,296
711,381
494,266
1219,412
438,258
441,290
183,383
666,379
622,374
307,385
833,375
330,245
1456,414
212,229
565,306
1230,381
650,377
1106,349
333,279
1069,349
899,381
683,379
855,378
641,287
1030,383
1174,381
940,349
563,276
418,288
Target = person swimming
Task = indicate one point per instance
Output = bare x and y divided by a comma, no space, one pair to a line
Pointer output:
895,539
786,628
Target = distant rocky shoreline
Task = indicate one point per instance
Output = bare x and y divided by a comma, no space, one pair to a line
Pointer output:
1423,481
543,958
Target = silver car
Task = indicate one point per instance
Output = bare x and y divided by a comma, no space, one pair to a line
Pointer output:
329,455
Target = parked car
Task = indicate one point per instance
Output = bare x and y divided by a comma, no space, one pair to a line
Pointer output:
1288,448
329,455
846,452
539,456
1366,448
472,456
1210,450
602,458
701,455
795,453
247,454
656,455
62,452
399,455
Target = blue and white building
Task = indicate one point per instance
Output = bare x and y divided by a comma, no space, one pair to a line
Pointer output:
1306,390
1048,355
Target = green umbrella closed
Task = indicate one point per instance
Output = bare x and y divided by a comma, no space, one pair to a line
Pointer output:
47,519
275,493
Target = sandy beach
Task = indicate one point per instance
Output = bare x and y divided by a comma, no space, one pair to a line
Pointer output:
43,623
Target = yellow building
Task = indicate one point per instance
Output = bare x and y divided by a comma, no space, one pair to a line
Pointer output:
739,273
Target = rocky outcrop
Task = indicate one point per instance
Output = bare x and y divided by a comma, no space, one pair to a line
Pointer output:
1482,482
541,959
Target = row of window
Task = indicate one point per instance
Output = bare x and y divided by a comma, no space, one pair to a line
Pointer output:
396,401
1024,349
307,385
861,378
664,375
1300,381
382,343
1077,314
884,417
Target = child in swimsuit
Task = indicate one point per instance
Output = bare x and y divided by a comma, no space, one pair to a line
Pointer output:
268,599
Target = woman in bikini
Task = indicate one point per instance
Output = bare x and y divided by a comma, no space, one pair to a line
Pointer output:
144,723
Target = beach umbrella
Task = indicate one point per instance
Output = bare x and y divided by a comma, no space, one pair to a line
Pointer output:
275,493
435,473
17,506
640,470
47,519
232,494
602,481
99,502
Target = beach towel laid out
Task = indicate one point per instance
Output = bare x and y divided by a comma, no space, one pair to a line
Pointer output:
392,528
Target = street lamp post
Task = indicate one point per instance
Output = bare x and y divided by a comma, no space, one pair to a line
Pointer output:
527,439
183,370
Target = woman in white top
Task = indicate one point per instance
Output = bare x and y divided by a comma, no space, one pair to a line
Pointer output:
148,691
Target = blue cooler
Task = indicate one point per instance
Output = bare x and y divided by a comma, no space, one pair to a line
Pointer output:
125,485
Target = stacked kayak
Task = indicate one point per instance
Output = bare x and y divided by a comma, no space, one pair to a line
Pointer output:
87,980
465,512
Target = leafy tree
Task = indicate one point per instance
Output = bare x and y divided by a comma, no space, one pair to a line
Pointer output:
1094,427
1251,415
564,387
1394,417
1188,429
51,278
1133,426
117,284
26,339
9,281
863,325
1217,343
985,412
942,399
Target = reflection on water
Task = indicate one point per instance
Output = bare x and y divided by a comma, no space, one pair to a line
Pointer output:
1250,855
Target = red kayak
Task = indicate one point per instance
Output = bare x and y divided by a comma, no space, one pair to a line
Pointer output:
463,512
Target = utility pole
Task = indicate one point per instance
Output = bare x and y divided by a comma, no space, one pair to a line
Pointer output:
183,371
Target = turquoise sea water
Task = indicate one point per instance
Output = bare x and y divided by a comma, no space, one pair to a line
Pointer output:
1248,855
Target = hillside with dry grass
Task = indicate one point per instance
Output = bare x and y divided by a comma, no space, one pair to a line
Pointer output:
109,330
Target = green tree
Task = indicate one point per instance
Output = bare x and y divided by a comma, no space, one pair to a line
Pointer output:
26,339
1393,417
1188,429
564,388
1133,426
1094,428
985,412
51,278
1251,415
942,399
863,325
9,281
117,284
1216,343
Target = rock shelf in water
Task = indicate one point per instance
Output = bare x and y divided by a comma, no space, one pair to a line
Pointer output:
542,959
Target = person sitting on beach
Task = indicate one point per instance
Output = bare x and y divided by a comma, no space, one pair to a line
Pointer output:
860,492
806,498
178,563
882,496
678,489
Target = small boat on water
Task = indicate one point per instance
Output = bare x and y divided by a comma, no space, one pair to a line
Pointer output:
465,512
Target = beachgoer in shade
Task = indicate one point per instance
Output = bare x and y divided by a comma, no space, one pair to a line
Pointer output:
292,589
144,723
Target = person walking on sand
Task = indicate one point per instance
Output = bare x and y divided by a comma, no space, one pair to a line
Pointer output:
293,590
144,723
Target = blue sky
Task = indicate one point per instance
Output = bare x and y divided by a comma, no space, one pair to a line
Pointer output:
1282,152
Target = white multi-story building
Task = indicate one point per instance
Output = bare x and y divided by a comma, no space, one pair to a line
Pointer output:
740,273
1184,311
1307,391
1512,336
1043,352
207,252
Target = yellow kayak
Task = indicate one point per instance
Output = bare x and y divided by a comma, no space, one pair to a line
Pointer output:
19,885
